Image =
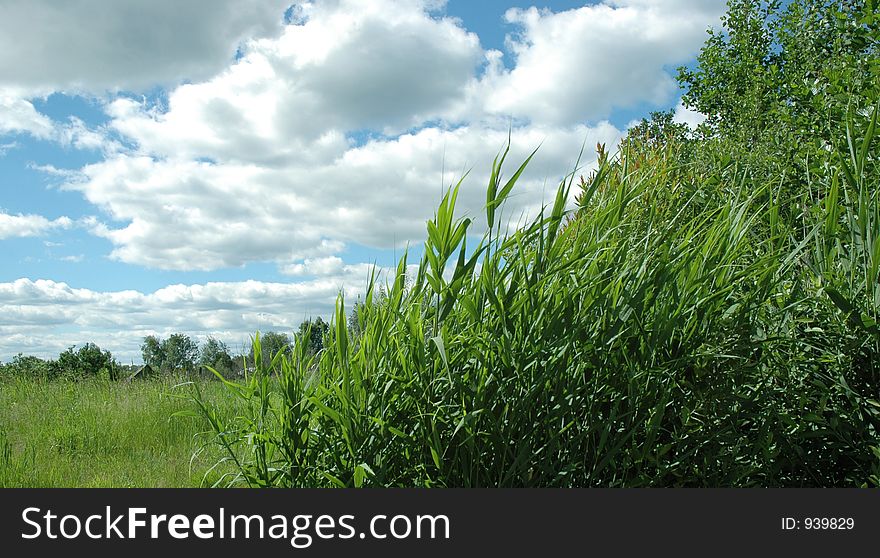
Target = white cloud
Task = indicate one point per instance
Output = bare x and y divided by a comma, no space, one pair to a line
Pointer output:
52,170
44,317
29,225
579,64
75,133
254,163
7,147
18,115
315,266
684,115
185,214
382,65
94,45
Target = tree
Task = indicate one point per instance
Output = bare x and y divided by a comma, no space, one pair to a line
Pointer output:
151,349
782,77
312,333
271,343
732,84
215,354
659,128
180,352
27,366
354,321
88,361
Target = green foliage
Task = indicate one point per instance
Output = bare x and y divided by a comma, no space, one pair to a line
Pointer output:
178,353
735,82
26,366
658,129
314,331
671,332
151,350
272,343
215,354
88,361
777,82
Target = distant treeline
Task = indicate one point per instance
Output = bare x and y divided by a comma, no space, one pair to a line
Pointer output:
179,353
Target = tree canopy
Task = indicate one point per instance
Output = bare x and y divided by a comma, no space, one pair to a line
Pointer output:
177,353
781,76
271,343
216,354
88,360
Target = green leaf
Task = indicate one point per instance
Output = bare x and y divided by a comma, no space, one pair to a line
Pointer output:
436,457
441,348
838,299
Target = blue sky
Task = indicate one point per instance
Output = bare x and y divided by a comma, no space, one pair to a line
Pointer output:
220,168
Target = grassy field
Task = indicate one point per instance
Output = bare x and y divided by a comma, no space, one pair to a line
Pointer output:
100,434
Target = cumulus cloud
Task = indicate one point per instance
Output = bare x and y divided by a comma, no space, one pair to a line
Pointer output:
256,163
315,266
380,65
75,133
579,64
29,225
44,317
383,65
18,115
93,45
186,214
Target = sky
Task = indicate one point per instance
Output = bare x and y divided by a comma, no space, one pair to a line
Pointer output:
219,167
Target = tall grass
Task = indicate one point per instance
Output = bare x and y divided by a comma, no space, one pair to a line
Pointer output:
98,433
675,329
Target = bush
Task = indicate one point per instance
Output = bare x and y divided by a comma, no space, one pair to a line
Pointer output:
23,366
88,361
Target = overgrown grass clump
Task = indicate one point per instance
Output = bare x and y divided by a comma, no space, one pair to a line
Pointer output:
691,323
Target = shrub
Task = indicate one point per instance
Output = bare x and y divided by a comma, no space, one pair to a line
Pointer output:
23,366
87,361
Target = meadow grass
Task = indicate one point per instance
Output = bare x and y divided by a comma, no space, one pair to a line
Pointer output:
94,433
